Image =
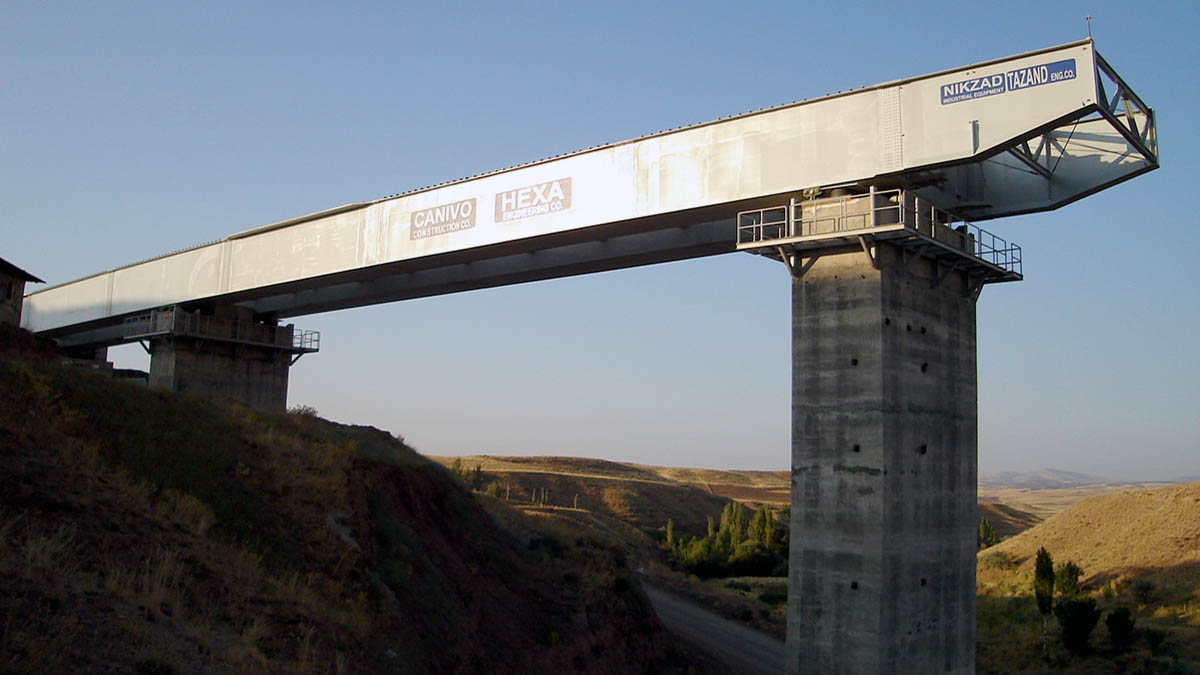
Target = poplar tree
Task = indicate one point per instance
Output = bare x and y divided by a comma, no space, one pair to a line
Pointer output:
987,533
1043,588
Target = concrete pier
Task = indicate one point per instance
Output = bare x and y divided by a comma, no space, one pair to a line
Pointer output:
255,375
882,574
225,353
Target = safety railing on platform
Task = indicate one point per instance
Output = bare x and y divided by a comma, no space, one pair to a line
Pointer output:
307,340
861,213
175,321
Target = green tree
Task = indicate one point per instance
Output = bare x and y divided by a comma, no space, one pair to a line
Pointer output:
1043,589
1066,580
987,533
782,532
477,478
759,527
493,489
739,523
712,528
456,468
670,534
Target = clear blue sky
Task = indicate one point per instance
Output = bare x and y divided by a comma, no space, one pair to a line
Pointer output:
131,130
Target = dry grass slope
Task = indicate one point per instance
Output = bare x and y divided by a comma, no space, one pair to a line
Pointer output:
1139,550
151,532
1007,520
1144,533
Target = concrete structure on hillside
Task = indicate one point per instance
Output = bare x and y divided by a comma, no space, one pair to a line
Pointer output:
882,561
228,353
866,197
12,291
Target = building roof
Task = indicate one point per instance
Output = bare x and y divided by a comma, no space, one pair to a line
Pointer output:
9,268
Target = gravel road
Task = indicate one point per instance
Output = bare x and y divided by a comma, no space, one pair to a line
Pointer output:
743,649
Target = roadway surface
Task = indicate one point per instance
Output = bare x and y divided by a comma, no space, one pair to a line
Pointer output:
744,650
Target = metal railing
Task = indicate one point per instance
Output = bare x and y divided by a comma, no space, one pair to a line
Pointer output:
307,340
862,213
175,321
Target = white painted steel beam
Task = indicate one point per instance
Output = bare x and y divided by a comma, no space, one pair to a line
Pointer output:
963,138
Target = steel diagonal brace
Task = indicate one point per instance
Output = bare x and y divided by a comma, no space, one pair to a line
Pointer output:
790,263
1111,110
871,250
940,276
1032,158
974,288
904,259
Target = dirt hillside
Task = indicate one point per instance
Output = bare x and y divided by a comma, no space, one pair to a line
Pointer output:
1146,533
1007,521
151,532
634,494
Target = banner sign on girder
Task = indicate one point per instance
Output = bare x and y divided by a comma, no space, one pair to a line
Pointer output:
1013,80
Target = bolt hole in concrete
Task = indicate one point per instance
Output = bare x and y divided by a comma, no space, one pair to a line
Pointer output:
887,322
922,330
857,447
854,585
922,582
923,449
924,367
908,327
854,362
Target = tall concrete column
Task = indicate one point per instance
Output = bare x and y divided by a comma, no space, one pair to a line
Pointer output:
882,572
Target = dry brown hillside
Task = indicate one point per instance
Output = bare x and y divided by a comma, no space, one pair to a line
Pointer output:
1148,533
1007,521
142,531
1139,551
636,495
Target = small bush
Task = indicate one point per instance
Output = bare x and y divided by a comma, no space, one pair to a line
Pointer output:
1120,627
1144,591
997,560
1077,618
1154,638
773,597
154,667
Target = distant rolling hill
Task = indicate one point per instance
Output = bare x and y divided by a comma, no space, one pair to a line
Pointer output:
1042,479
1151,534
1007,521
646,496
638,495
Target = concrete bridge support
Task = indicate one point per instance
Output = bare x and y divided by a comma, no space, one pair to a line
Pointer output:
882,575
255,375
227,353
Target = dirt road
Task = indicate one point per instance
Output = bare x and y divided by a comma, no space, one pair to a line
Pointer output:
743,649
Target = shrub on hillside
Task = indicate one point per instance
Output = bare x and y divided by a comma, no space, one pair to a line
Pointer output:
1066,580
1144,591
1120,627
1077,618
998,560
1154,638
